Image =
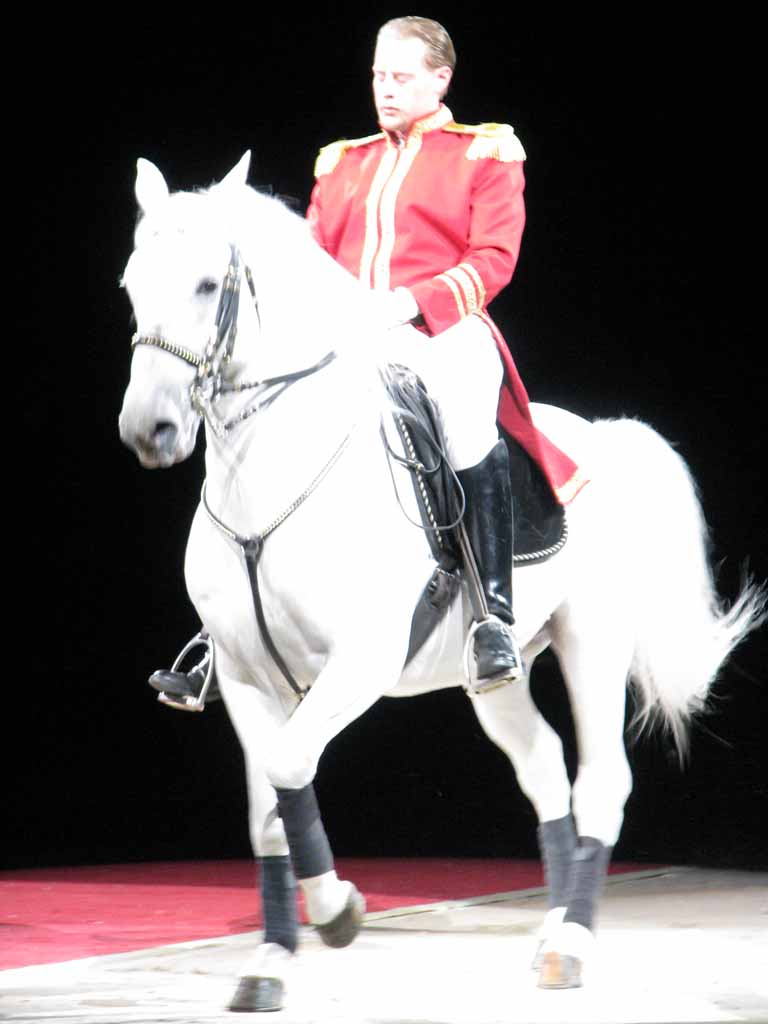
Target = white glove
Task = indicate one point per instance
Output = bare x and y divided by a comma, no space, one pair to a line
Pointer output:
397,307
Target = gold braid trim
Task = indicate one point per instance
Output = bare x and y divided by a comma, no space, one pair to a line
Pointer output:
458,298
387,208
567,492
467,287
490,142
330,155
479,286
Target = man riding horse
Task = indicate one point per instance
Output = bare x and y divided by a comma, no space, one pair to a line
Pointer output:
429,214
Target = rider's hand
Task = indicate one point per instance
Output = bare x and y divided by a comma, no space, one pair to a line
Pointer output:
397,307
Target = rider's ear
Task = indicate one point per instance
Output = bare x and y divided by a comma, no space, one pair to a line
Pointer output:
151,189
238,176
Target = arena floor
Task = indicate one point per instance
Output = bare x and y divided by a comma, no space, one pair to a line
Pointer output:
677,945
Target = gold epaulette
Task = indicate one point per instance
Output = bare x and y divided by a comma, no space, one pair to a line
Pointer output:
491,141
329,155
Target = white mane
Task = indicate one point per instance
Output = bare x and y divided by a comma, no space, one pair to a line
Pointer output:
308,304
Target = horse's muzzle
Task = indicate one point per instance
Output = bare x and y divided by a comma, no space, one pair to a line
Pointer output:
158,443
159,448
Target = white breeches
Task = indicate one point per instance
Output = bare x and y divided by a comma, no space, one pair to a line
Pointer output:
462,371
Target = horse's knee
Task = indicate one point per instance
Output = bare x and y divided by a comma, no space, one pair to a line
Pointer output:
288,764
268,837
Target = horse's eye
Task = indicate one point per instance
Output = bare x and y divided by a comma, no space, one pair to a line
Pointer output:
207,286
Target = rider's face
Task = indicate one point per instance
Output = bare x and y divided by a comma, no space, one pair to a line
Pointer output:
404,88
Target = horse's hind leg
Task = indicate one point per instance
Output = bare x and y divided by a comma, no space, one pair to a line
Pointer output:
511,719
557,845
595,663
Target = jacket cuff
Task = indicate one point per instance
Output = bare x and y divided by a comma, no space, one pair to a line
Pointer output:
444,301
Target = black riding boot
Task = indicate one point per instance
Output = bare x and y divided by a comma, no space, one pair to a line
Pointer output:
185,684
490,529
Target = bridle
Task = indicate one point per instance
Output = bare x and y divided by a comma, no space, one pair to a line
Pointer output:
209,383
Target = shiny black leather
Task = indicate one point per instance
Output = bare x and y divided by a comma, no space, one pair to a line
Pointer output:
496,653
490,529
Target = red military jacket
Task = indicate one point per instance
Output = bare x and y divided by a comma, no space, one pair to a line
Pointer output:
440,213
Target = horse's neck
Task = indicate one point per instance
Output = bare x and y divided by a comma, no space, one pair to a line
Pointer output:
308,304
307,307
267,461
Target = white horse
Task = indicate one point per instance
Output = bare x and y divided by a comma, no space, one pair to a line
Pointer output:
630,596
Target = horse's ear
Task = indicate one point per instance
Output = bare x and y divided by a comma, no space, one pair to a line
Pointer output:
151,189
239,173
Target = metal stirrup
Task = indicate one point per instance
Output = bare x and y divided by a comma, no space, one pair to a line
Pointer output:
191,703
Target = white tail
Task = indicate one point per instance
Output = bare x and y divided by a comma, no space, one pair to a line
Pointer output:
683,631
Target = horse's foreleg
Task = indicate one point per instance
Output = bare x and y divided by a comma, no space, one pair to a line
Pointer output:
334,907
264,975
340,694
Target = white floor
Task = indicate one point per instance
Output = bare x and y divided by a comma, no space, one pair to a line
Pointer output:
682,946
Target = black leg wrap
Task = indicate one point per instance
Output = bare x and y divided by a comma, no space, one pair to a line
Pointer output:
557,843
278,901
310,850
588,869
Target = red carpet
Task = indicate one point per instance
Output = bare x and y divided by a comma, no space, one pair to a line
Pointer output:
54,914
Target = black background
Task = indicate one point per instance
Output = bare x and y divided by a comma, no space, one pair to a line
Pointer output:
638,293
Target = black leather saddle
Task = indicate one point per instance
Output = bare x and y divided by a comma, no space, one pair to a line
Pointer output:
540,527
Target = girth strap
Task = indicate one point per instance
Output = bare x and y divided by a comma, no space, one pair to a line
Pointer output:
253,546
252,549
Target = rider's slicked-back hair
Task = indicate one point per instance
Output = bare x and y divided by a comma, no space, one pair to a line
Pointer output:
439,48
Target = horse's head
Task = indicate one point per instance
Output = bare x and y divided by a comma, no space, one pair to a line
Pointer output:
179,280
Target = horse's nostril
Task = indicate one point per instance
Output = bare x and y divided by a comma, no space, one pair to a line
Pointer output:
164,435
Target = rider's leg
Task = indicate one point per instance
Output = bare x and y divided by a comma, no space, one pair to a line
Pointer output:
489,526
463,373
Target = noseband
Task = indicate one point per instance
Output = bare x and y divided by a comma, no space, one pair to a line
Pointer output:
209,383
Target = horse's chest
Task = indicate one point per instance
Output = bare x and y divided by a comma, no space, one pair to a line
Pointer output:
296,602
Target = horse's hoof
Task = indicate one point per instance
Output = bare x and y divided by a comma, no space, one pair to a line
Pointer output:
538,957
343,929
262,981
551,923
255,995
558,970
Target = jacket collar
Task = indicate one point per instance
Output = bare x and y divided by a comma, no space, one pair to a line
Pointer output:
432,122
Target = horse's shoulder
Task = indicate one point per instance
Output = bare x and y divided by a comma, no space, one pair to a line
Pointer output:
489,141
330,155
